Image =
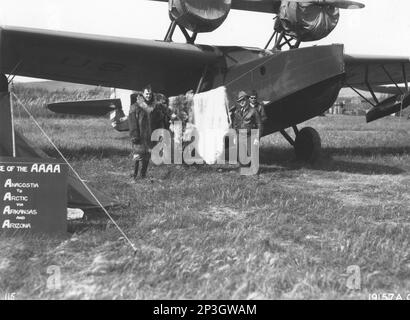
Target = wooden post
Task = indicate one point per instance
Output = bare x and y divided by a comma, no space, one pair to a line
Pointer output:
6,125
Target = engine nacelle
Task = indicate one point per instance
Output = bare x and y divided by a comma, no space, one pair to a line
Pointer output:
199,15
306,21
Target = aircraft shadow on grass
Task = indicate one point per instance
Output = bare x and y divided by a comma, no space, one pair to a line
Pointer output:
88,152
280,157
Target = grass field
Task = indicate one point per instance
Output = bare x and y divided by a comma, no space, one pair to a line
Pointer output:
208,233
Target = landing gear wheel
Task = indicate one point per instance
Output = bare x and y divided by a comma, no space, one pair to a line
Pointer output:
307,145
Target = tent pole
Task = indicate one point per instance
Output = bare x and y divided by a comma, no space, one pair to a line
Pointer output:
7,143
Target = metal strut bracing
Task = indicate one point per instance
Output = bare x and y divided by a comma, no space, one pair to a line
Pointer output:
189,38
391,79
404,95
171,30
201,81
288,137
282,39
362,96
406,82
370,88
14,70
366,81
394,103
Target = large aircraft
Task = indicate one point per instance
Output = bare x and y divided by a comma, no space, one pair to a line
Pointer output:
298,83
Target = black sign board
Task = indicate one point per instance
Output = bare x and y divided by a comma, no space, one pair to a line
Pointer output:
33,195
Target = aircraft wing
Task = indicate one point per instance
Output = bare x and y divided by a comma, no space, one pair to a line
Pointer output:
389,75
171,68
267,6
378,71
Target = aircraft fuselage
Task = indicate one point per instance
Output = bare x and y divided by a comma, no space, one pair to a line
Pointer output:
298,84
295,85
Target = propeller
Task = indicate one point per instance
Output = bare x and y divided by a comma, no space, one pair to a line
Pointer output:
341,4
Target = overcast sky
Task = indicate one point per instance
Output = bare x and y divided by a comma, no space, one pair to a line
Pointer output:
383,27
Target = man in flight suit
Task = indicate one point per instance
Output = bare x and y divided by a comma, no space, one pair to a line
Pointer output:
146,115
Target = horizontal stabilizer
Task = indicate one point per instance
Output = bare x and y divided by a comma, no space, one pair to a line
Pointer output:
389,106
88,107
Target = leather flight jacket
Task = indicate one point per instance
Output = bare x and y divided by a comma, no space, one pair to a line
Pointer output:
144,118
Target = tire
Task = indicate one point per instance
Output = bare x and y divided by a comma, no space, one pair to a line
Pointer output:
308,145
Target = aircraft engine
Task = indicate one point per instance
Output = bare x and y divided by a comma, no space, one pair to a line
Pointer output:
199,15
306,21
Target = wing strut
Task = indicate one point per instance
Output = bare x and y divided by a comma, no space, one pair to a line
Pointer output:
287,137
12,73
282,39
406,82
362,96
391,79
171,30
201,81
390,105
366,81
